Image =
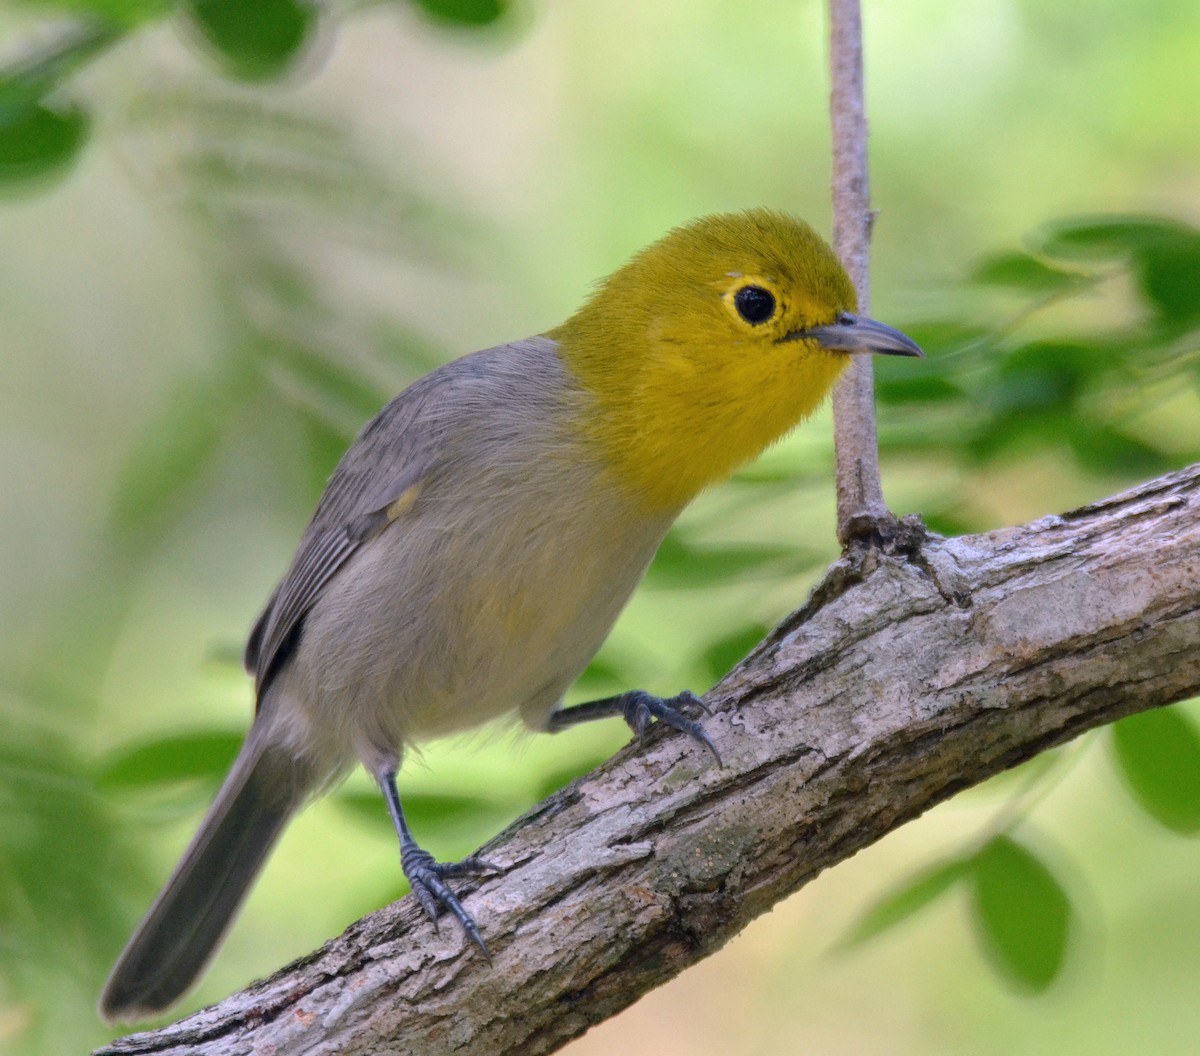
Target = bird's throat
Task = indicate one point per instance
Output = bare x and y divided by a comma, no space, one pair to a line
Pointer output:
674,430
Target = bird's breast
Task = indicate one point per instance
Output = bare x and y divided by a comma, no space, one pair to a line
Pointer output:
491,594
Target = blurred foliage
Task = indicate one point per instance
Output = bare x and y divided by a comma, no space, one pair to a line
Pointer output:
204,756
463,12
1041,378
1021,912
35,139
59,844
679,563
42,130
1023,915
1013,388
256,41
1068,350
1000,389
906,900
1158,758
257,185
287,341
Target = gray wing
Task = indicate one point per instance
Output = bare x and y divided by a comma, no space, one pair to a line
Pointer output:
371,485
380,474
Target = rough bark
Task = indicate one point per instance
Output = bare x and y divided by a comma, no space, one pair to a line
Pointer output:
907,676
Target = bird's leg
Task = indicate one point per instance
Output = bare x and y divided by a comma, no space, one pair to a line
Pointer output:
426,876
638,708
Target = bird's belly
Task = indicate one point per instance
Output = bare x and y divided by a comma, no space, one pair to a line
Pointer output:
521,643
431,635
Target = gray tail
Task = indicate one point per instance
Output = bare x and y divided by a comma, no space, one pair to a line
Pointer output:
190,916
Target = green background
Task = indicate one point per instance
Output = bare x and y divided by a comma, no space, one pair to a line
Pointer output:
230,242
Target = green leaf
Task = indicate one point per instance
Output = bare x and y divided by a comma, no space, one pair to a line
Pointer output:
1046,375
679,564
1158,757
37,141
1104,450
118,12
424,810
452,820
1022,271
1168,273
1164,254
58,845
203,755
259,40
1022,914
601,678
1105,238
1034,394
894,390
463,12
906,900
952,519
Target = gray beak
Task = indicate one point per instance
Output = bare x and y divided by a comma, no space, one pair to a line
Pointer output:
853,333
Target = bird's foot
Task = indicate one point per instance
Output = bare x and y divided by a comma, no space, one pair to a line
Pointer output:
428,880
640,709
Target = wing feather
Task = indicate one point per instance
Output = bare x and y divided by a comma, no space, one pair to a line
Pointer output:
380,477
387,460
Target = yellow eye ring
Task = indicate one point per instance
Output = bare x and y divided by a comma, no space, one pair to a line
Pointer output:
753,303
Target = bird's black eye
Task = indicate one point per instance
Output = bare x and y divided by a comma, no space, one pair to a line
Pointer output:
754,304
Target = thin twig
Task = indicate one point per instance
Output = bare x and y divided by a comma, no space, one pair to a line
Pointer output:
860,505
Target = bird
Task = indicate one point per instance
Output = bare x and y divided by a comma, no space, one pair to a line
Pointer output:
478,539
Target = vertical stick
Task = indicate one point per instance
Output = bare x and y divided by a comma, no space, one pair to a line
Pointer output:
860,505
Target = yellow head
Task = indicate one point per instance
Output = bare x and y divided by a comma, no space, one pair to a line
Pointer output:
711,344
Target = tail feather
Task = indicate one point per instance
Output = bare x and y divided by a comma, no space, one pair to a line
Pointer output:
192,913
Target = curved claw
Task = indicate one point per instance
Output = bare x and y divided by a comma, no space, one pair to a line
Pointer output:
427,878
468,867
639,708
688,698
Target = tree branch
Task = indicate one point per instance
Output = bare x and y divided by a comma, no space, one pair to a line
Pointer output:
905,678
